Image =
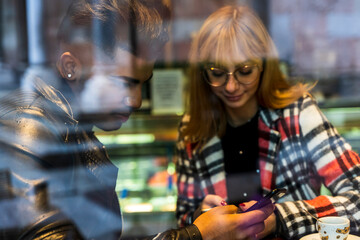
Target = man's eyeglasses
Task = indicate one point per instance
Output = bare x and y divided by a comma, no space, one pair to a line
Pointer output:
245,74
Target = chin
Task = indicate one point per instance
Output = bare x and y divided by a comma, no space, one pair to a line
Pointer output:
234,105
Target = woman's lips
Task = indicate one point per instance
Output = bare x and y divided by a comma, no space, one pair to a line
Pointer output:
234,98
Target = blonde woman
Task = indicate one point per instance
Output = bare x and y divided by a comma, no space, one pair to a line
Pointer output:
246,127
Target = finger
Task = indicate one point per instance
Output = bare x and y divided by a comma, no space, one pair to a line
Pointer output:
212,201
268,209
228,209
250,231
245,205
256,216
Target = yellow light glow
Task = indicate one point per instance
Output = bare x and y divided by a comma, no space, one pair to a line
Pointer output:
143,207
127,139
171,168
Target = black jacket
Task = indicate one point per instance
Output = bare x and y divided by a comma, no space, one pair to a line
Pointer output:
56,179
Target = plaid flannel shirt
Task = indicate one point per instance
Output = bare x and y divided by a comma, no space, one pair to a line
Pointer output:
299,150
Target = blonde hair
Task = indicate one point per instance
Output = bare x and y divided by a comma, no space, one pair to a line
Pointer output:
227,31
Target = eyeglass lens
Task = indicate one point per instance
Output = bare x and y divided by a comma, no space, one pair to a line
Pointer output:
219,77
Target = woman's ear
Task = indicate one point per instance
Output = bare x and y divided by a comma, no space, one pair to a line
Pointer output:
69,66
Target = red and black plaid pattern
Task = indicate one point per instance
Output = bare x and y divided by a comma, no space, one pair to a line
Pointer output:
299,150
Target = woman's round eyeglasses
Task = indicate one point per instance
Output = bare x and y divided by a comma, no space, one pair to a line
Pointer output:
245,74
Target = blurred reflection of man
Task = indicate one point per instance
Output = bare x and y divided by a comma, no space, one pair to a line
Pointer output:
56,180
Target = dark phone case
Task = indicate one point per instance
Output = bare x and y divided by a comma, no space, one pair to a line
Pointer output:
267,199
263,202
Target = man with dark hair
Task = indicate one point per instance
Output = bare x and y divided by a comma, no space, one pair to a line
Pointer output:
56,179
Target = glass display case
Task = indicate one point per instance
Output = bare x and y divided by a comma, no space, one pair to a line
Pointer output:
143,150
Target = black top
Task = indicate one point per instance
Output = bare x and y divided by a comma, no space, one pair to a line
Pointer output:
241,148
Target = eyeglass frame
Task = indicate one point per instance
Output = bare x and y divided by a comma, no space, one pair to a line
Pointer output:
228,74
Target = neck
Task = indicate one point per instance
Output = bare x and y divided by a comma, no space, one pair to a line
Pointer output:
240,116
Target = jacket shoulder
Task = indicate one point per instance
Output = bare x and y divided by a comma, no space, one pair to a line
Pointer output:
29,128
297,107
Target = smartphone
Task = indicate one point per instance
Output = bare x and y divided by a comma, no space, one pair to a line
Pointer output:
267,199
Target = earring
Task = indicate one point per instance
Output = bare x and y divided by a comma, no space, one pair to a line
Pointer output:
69,75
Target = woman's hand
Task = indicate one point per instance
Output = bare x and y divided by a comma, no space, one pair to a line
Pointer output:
224,223
270,222
211,201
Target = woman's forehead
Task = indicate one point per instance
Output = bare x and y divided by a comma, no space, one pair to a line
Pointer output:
231,59
231,47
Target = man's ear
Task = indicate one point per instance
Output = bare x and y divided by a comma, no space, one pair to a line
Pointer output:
69,66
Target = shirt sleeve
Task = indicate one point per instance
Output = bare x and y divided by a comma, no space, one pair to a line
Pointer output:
336,164
189,192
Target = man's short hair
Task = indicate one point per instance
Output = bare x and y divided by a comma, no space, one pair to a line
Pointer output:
138,26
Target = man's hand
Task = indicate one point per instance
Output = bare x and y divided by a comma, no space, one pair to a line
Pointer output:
270,222
270,227
224,223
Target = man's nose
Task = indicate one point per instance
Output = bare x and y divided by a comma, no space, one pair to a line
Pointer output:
133,101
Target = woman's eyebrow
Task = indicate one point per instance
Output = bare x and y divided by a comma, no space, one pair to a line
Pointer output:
215,64
247,62
225,66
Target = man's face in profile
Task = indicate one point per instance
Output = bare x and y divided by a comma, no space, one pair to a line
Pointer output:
113,90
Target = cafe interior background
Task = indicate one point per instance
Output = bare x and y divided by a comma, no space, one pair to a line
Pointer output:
318,40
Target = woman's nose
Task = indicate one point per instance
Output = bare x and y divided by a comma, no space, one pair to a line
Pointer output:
232,84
